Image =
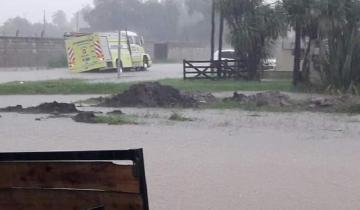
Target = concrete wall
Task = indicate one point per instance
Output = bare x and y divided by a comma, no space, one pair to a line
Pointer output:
178,51
17,52
195,53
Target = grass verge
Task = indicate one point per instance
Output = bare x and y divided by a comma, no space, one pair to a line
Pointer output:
67,87
178,117
251,107
115,120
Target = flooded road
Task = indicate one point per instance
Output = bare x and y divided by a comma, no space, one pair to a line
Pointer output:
156,72
225,159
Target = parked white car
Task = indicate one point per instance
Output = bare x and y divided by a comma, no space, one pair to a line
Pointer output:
229,54
269,64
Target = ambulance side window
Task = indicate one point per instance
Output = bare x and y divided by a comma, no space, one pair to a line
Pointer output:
131,40
138,41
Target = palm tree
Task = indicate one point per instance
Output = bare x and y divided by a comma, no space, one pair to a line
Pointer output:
300,17
335,24
254,26
342,36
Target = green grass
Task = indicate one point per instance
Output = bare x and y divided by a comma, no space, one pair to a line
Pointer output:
178,117
115,120
73,86
251,107
60,87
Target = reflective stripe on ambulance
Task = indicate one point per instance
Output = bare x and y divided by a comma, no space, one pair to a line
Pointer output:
71,56
99,52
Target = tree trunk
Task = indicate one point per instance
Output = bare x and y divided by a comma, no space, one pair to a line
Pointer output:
252,67
297,54
305,70
346,68
212,32
221,33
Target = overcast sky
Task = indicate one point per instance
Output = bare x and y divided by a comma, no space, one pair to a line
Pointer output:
33,9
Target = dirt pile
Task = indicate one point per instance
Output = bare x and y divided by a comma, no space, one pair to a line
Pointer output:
54,107
85,117
202,98
17,108
45,108
346,103
271,98
151,94
116,112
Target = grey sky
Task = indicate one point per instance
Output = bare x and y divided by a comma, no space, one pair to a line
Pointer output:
33,9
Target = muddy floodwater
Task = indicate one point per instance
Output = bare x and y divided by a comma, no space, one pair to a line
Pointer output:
224,159
156,72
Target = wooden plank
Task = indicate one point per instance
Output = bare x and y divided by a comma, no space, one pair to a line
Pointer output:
189,61
196,72
80,175
18,199
199,67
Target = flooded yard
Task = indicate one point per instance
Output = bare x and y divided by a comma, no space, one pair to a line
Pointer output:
224,159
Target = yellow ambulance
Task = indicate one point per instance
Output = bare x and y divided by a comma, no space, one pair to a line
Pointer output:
99,51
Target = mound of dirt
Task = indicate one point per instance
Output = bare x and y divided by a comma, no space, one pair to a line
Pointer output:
116,112
55,107
332,104
17,108
202,98
270,98
45,108
85,117
151,94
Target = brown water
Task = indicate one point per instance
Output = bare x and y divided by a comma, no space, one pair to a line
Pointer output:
223,160
156,72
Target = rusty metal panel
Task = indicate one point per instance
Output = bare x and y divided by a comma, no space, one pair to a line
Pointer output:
21,199
70,175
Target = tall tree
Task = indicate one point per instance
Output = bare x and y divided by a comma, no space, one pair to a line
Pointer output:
300,16
342,30
59,19
333,25
154,19
17,24
254,26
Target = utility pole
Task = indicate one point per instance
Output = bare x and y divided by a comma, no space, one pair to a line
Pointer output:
44,25
78,22
297,54
212,32
221,33
119,66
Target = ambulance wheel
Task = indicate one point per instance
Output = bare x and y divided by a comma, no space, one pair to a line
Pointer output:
117,64
145,64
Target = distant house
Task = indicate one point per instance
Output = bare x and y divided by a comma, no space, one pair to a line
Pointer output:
284,52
